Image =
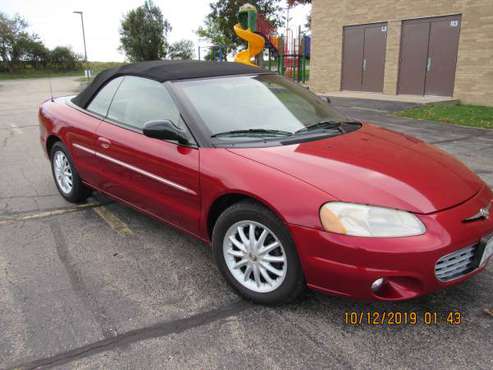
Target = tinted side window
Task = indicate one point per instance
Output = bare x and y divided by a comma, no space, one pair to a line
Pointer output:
139,100
101,102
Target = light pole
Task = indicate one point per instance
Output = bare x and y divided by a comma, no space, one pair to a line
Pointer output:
87,72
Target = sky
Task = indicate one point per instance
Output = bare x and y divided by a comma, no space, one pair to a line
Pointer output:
56,25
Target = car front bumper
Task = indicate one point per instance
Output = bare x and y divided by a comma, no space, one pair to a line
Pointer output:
348,265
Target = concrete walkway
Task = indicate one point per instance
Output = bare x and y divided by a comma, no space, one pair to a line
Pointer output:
473,146
427,99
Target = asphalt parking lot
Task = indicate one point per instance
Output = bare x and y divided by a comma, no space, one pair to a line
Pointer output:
102,286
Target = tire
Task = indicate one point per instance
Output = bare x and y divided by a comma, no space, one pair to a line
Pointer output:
286,284
74,190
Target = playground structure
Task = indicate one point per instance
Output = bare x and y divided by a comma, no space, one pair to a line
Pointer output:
288,54
245,30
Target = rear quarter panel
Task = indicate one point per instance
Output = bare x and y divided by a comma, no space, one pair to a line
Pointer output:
59,119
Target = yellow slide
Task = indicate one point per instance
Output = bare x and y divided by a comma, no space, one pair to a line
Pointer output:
255,45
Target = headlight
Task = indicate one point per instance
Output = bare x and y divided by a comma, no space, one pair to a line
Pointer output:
361,220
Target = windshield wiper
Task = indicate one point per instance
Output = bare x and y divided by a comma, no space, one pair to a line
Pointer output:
326,125
323,125
256,131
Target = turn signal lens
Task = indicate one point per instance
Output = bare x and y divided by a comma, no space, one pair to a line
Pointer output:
331,222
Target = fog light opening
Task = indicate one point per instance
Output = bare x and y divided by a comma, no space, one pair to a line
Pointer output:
377,284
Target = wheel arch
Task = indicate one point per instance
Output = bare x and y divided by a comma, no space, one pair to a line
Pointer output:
50,141
224,201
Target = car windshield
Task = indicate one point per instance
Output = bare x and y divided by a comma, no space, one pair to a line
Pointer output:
261,106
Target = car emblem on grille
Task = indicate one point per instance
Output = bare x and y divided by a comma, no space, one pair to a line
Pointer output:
483,213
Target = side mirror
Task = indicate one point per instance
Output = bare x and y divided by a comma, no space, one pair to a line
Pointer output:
164,130
326,99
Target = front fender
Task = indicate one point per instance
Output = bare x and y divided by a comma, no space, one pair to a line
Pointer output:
223,172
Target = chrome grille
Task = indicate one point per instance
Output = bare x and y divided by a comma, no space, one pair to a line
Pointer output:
456,264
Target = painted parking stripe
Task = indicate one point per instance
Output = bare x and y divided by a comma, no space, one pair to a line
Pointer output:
113,221
43,214
16,129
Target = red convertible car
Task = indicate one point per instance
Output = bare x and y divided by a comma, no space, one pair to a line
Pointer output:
289,192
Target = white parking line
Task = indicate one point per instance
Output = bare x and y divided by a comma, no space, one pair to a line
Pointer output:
54,212
113,221
16,129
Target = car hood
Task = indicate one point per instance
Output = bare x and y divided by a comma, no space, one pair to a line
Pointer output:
375,166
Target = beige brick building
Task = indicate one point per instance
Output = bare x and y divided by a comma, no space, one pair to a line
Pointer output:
417,47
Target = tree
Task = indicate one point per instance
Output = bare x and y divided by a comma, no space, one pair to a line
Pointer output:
182,49
218,25
63,58
20,48
308,24
12,30
17,47
33,51
143,33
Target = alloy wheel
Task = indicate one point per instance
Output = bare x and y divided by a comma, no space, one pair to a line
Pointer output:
255,256
63,172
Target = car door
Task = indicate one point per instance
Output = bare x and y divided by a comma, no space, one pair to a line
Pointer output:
82,136
159,177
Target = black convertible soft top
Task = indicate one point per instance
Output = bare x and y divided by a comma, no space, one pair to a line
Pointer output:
164,70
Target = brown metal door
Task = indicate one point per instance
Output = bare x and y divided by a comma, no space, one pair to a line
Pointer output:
363,57
352,57
442,56
374,57
413,58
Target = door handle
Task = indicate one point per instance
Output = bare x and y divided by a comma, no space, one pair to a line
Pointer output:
428,64
364,64
104,143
